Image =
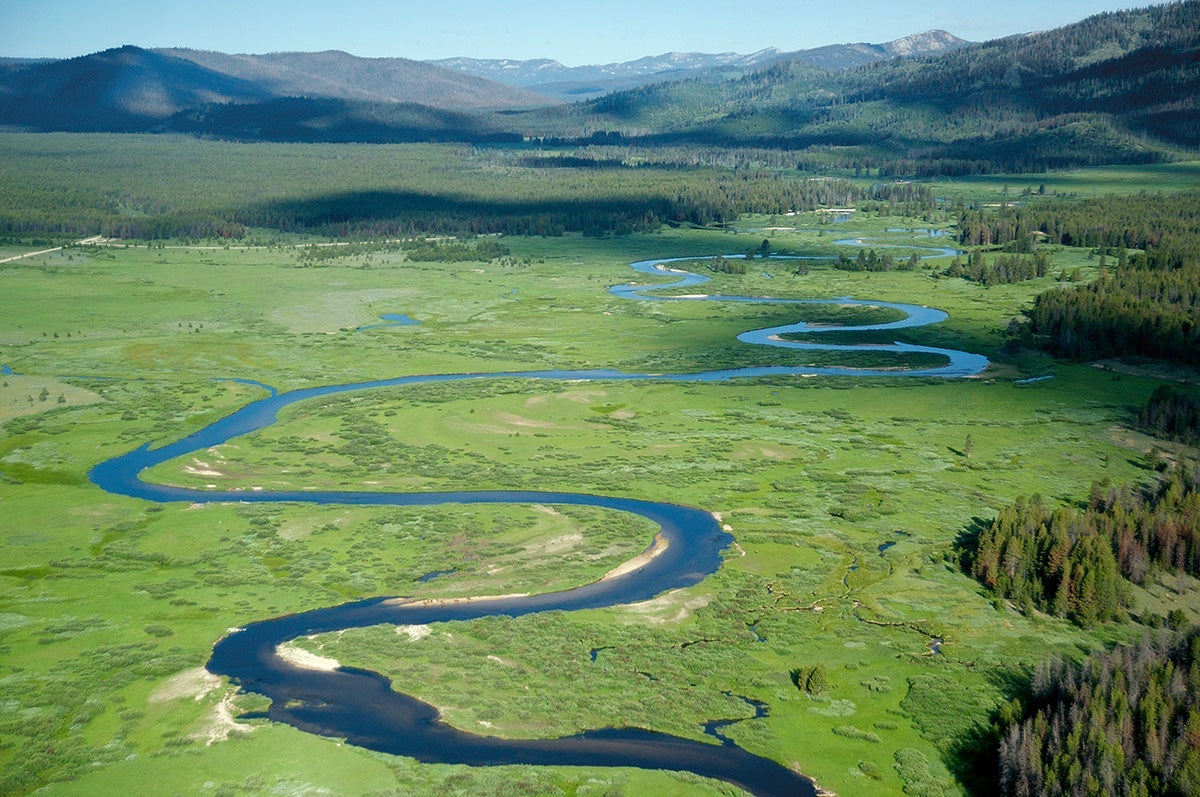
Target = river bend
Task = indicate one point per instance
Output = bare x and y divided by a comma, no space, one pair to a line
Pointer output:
361,707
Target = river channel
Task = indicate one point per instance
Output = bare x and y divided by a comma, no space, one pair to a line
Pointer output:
361,706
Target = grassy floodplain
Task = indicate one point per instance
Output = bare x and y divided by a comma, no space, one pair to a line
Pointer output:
1099,181
845,497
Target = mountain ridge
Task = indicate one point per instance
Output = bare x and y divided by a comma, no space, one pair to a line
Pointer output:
1121,87
335,74
129,88
123,89
553,79
1114,88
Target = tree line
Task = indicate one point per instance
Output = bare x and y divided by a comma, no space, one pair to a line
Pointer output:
1077,562
870,260
419,250
1145,303
1171,414
147,188
1001,270
1166,226
1133,313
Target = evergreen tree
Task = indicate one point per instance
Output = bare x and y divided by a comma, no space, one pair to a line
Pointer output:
1075,563
1125,722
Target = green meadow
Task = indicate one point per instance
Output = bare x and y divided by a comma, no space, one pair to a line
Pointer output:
845,497
1081,183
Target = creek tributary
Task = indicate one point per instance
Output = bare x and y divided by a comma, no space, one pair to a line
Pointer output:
361,707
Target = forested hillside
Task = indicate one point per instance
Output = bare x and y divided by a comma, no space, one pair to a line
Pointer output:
552,79
126,89
1142,66
1118,87
131,89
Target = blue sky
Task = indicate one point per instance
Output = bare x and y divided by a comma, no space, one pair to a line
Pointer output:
570,32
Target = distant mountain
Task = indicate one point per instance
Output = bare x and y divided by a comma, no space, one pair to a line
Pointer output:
131,89
121,90
1114,88
836,57
337,75
552,79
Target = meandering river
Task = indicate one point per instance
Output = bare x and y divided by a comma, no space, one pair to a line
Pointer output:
361,706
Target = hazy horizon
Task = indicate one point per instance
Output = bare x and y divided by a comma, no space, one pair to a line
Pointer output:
572,34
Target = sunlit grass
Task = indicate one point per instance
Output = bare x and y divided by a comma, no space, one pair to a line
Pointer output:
106,599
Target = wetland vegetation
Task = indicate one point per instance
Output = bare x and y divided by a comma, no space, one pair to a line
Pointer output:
842,607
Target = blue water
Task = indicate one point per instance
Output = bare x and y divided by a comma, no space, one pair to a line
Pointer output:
391,320
960,363
436,574
933,251
715,727
361,706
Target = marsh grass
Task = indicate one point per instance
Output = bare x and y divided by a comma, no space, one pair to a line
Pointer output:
812,476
